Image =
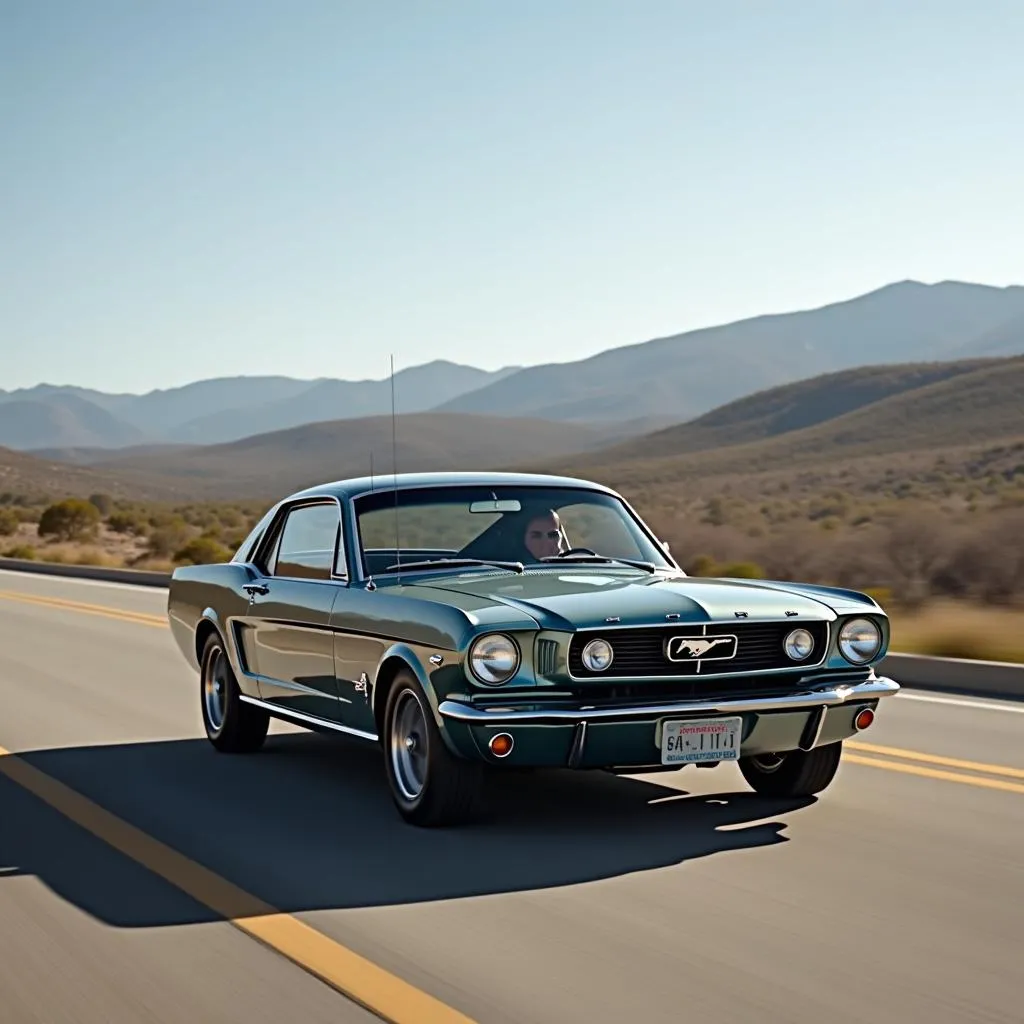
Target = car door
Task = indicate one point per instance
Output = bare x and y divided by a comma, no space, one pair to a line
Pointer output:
290,613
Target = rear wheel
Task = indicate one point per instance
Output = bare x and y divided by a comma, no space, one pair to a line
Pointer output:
429,785
794,772
231,725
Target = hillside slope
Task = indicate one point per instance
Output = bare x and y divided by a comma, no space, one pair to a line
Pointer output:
276,463
790,407
692,373
982,405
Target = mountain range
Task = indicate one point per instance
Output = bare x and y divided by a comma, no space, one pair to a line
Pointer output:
622,392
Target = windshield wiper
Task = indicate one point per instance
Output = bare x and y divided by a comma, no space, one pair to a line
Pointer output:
648,566
433,563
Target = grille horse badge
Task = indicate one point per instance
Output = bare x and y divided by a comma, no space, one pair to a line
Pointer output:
694,648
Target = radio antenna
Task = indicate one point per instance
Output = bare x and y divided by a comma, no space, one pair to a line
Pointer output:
394,466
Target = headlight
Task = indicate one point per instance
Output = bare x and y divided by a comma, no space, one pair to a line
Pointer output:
597,655
799,644
494,659
860,640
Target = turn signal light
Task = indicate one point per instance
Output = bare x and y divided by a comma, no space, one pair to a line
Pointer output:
864,718
501,744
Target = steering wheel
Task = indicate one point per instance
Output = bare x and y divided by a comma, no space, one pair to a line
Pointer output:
576,551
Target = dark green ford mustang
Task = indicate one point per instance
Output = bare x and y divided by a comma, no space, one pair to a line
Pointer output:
472,622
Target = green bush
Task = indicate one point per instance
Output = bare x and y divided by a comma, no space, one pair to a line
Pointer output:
201,551
70,519
9,522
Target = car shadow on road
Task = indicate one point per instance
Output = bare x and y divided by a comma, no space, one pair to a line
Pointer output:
307,824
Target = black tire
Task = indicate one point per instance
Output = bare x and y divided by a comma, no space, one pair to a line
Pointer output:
794,772
430,786
231,726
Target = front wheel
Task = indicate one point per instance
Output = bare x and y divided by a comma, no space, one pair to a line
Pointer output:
231,725
429,785
794,772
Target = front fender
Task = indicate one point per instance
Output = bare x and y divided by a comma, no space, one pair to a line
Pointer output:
410,658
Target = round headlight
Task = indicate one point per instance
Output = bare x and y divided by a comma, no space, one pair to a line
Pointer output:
799,644
494,659
597,655
860,640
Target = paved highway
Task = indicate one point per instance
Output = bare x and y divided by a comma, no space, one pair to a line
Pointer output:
145,877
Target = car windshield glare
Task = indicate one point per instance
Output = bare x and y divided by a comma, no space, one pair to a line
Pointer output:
506,524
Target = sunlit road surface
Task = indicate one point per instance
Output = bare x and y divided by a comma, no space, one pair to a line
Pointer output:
145,877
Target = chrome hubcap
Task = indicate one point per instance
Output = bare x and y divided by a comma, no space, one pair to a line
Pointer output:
215,689
409,746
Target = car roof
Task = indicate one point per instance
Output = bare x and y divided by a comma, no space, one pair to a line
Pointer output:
354,486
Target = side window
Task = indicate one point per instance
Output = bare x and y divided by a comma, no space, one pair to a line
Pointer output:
306,545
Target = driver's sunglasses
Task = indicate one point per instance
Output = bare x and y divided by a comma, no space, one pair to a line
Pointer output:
549,535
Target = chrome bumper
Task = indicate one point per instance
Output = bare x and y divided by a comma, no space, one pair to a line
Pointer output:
847,693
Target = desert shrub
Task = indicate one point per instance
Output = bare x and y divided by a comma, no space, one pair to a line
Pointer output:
9,522
202,550
23,551
127,522
104,503
70,519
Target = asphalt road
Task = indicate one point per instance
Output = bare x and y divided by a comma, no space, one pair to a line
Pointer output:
895,896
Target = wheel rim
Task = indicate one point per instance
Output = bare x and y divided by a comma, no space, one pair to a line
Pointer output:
409,746
215,690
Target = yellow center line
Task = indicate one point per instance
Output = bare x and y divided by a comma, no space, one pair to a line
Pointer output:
125,615
361,980
936,773
948,762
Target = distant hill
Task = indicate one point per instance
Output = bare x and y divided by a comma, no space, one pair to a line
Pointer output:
57,419
32,477
866,412
789,408
223,409
274,464
654,383
688,374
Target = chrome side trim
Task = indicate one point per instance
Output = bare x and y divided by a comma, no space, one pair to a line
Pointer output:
278,711
872,689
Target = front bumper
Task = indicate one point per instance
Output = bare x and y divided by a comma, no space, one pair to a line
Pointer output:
630,734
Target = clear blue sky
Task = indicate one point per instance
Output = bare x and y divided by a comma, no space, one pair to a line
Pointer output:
201,188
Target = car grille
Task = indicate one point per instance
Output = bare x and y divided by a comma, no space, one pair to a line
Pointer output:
642,652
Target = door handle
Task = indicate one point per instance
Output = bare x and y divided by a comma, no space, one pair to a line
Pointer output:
255,588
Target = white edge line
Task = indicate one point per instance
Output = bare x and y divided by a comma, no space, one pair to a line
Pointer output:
137,588
963,702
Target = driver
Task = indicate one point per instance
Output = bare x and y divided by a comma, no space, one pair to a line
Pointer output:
543,537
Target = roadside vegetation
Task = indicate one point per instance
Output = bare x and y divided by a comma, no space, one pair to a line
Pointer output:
936,537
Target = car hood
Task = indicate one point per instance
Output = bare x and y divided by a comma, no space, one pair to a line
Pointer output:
582,598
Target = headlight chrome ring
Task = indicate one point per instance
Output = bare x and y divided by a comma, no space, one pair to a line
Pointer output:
860,640
799,645
597,655
494,659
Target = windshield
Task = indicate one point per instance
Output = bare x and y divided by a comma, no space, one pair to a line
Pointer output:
498,524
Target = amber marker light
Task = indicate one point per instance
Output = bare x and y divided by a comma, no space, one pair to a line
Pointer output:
501,744
864,718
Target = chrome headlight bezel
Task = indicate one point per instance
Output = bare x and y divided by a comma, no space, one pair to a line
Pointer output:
491,676
587,655
787,644
848,637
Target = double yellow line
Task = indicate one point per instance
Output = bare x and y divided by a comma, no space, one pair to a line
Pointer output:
105,610
912,762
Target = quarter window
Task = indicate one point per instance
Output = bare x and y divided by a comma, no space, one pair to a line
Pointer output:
307,545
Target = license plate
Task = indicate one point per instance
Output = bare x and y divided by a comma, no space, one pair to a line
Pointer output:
704,739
